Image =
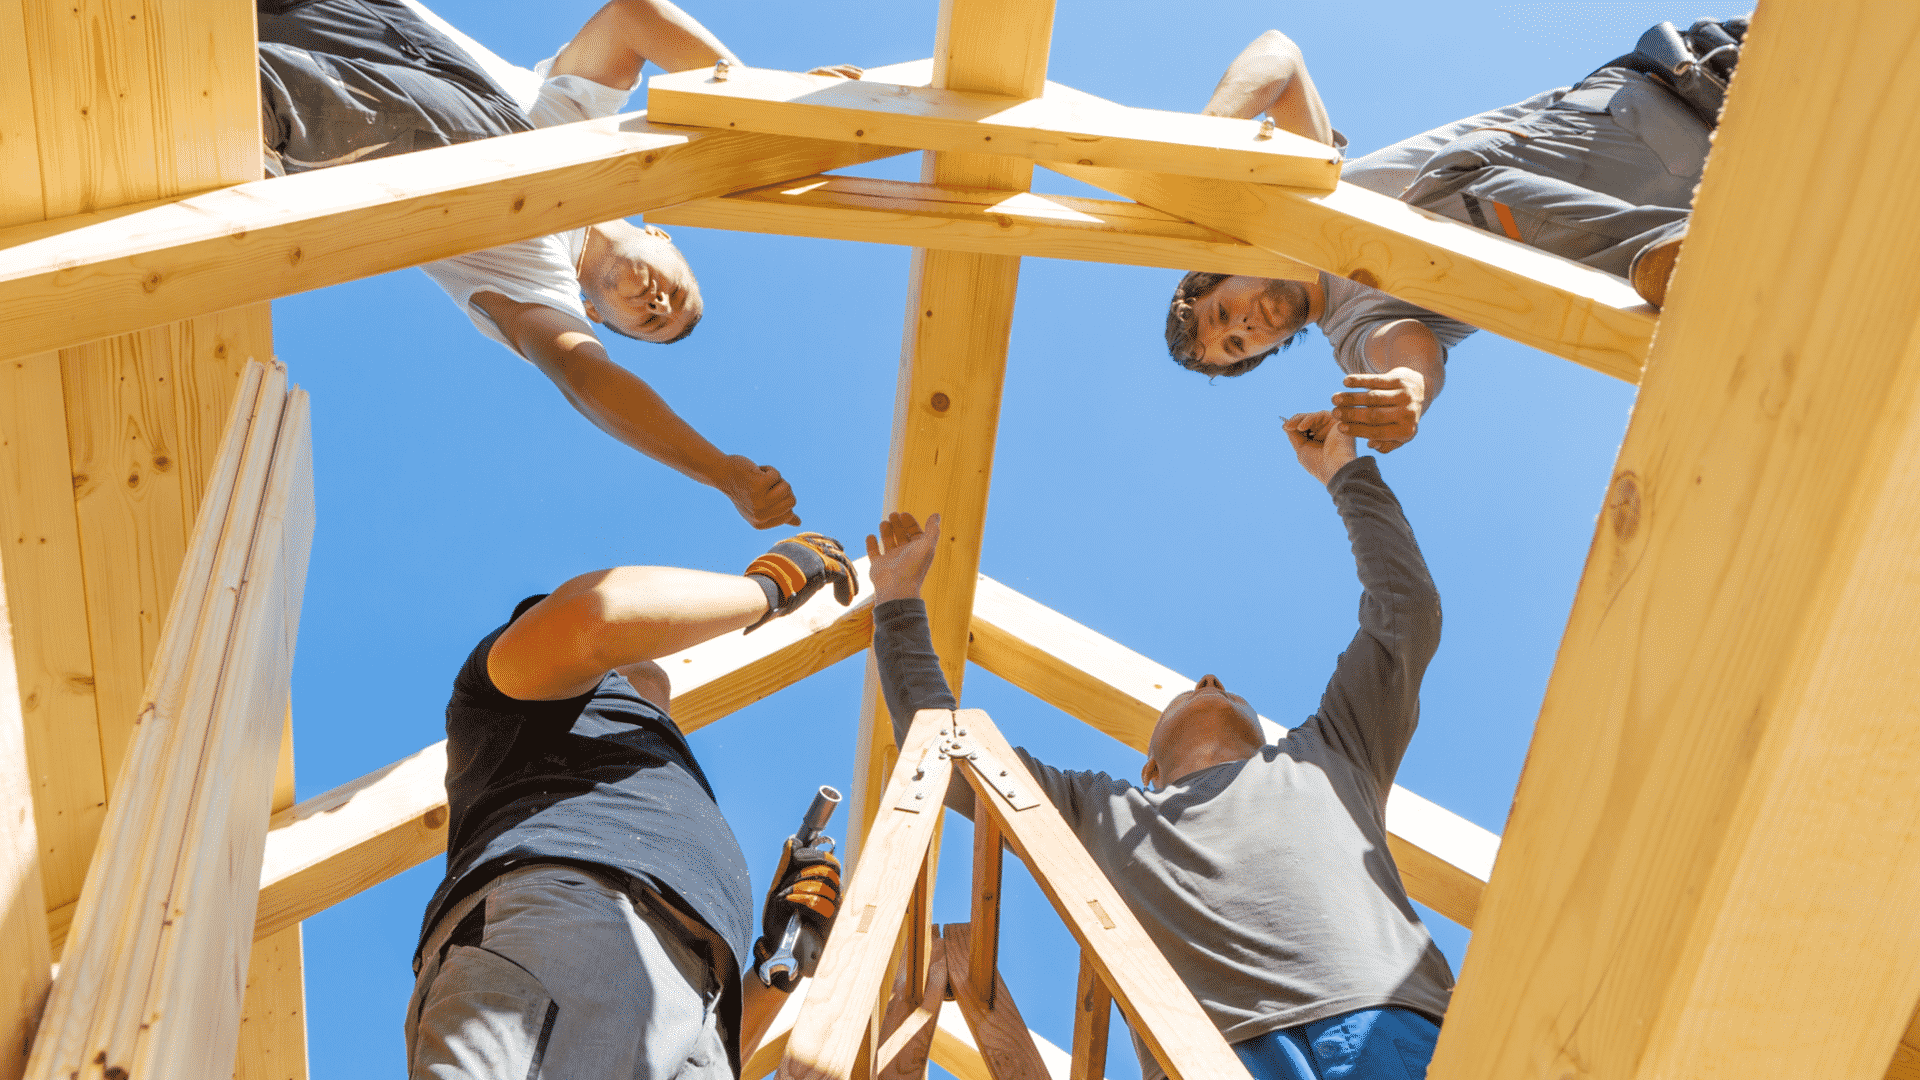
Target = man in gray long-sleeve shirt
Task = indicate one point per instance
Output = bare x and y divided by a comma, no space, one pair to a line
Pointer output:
1260,870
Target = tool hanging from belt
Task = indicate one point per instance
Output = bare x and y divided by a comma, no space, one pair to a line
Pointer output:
1695,64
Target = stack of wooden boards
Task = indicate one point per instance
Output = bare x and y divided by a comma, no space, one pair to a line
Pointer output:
139,995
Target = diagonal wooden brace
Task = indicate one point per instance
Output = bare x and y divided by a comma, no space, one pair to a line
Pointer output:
832,1025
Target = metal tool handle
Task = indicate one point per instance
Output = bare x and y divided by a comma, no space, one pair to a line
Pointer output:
782,970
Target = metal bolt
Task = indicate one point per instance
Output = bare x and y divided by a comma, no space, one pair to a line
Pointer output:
919,794
943,731
962,731
1266,126
721,69
1003,772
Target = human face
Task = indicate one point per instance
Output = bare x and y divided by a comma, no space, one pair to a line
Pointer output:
1202,727
643,287
1246,316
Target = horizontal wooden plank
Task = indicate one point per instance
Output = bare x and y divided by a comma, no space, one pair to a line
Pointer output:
1444,859
275,237
1534,297
1054,127
982,221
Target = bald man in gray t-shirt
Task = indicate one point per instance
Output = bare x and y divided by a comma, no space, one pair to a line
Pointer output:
1260,870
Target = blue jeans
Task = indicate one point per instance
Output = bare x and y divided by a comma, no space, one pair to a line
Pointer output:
1368,1044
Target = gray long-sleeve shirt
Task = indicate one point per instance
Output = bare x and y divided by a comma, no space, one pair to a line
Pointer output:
1266,883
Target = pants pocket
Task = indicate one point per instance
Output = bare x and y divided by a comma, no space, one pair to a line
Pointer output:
484,1017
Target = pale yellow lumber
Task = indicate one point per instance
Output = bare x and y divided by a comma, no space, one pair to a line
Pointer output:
908,1030
983,931
833,1023
982,221
20,190
153,981
954,1049
953,356
1443,858
1092,1013
1709,868
1906,1056
24,956
1156,1002
273,1020
275,237
345,841
1047,128
999,1033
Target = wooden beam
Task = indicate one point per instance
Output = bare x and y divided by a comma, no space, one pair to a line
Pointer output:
833,1023
1039,127
985,222
983,933
275,237
1444,859
170,896
953,357
1519,292
909,1027
1001,1035
24,958
1157,1003
954,1049
1709,869
1092,1012
1906,1056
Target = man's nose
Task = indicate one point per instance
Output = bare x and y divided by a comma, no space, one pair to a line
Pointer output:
1209,682
660,304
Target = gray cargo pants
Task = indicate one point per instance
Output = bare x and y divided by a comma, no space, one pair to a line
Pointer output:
346,80
551,971
1596,177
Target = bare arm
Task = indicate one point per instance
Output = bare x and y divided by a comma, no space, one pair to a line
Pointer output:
1270,76
621,404
624,35
1409,370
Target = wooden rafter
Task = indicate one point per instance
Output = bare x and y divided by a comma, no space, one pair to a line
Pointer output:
275,237
24,957
1709,870
1049,128
170,895
984,222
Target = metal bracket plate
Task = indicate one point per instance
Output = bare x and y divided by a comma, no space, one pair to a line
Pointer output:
996,773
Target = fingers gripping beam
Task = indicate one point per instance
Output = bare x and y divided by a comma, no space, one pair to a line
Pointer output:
832,1025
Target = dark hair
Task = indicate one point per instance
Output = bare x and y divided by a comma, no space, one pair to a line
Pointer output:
1183,325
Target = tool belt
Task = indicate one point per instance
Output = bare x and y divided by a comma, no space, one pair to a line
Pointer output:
1695,64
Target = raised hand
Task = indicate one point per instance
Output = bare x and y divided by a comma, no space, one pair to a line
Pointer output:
898,560
797,568
758,493
1384,408
1320,443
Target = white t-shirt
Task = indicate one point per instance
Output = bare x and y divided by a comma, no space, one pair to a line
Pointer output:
541,270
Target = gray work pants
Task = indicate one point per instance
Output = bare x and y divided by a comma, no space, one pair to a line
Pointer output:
347,80
552,971
1596,177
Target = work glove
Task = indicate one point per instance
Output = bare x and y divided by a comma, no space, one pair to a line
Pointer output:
796,568
807,883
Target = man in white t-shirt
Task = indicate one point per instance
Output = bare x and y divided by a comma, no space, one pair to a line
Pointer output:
348,80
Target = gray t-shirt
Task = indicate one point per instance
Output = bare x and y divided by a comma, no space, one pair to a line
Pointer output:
1267,883
1352,311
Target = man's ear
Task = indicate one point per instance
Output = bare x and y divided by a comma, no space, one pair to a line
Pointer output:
593,313
1149,774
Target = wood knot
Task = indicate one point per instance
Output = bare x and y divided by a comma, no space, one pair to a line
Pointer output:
115,1072
1365,277
163,463
294,256
133,479
940,402
151,283
519,204
1623,505
79,480
435,818
859,133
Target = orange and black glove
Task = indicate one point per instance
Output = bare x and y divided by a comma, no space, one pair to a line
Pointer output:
796,568
808,884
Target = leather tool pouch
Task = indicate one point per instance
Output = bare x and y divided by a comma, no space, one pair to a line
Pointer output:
1695,64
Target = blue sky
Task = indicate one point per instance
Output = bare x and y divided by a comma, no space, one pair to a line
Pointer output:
1137,498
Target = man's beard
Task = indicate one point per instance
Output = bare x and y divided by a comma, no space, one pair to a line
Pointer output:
1290,304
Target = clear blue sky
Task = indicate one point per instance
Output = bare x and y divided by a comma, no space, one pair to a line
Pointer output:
1133,496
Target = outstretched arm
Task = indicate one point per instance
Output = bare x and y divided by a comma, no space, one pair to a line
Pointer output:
1386,406
565,644
1270,76
621,404
624,35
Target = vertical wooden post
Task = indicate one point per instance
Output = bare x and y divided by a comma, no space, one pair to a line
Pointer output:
25,959
1092,1012
1709,870
984,963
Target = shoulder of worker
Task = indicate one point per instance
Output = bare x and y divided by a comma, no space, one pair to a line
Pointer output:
567,99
